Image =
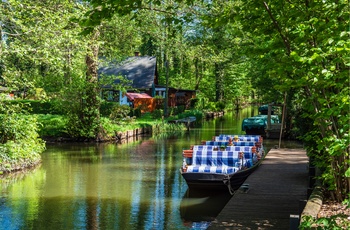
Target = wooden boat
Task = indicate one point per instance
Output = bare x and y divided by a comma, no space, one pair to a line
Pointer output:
266,124
218,165
258,124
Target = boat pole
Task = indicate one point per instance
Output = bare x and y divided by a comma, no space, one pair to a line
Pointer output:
283,115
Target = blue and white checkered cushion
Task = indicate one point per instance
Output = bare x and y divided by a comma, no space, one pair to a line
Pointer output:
252,138
225,143
203,147
223,162
212,169
215,158
239,148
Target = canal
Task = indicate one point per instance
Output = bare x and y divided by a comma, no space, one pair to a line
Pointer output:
135,185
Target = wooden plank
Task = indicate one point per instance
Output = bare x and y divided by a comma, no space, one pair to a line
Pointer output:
274,194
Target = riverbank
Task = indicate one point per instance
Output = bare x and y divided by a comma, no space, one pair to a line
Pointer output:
18,159
20,165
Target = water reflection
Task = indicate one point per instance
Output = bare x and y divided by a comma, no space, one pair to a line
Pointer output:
198,208
136,185
106,186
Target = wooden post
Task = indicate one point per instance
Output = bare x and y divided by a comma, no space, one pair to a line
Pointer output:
268,129
283,114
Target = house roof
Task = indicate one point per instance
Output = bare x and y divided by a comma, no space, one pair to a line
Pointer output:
141,70
132,96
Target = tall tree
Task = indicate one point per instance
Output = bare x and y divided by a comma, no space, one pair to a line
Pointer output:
40,50
302,51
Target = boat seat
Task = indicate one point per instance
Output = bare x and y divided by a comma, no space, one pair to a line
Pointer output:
212,169
225,143
220,158
240,138
244,149
228,148
204,147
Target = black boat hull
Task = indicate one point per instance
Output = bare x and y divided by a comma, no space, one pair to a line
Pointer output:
216,181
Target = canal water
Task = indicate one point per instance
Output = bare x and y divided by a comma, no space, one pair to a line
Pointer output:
135,185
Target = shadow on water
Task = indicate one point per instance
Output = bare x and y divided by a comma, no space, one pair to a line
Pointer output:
199,208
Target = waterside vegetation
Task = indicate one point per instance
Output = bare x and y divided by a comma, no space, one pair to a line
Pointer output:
228,51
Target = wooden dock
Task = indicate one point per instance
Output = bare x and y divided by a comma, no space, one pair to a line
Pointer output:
276,194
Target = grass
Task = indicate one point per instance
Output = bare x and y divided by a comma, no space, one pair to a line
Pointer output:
55,125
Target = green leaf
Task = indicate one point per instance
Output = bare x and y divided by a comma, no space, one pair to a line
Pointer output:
347,173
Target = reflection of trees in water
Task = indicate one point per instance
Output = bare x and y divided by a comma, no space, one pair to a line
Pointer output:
13,177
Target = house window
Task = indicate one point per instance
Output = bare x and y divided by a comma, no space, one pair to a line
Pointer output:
160,92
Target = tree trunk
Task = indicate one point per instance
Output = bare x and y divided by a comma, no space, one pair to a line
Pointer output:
218,82
91,107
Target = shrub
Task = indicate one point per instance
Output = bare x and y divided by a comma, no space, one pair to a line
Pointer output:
52,125
20,143
193,102
180,109
157,113
119,112
106,108
135,112
38,106
220,106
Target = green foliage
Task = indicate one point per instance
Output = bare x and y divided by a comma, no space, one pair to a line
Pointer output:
52,125
136,112
108,81
192,113
211,106
180,109
216,106
165,129
157,113
336,222
193,103
202,101
220,106
106,108
20,144
46,61
119,113
301,50
227,50
110,127
38,106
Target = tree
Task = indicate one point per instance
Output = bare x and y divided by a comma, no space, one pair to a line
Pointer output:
302,50
41,49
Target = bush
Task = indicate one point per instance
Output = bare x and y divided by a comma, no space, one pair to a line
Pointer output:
158,113
192,113
52,125
220,106
180,109
193,102
106,108
135,112
119,112
38,106
211,106
20,144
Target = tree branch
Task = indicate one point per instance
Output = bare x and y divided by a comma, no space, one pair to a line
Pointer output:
9,34
284,38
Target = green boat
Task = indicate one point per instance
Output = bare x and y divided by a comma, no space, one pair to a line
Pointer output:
257,125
